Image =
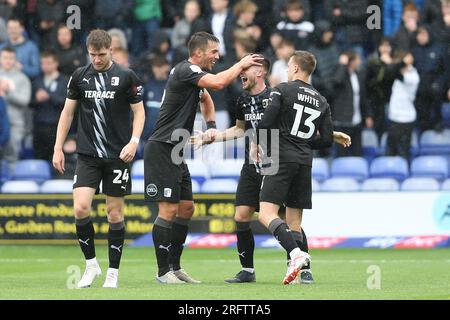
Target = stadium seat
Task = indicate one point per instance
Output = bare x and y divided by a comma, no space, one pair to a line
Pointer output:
5,172
350,167
226,169
195,187
340,185
370,143
414,150
430,166
20,186
137,170
198,169
219,186
320,170
445,185
389,167
420,184
57,186
380,184
433,142
315,185
137,186
445,110
36,170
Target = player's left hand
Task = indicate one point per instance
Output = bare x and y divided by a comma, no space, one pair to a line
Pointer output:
128,152
343,139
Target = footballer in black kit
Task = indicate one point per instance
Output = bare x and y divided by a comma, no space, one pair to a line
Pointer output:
167,178
104,126
298,111
104,94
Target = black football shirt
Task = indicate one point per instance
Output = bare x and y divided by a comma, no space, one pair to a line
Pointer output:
298,111
104,123
180,102
250,108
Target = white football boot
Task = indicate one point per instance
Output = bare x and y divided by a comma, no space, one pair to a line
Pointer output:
92,272
112,278
169,278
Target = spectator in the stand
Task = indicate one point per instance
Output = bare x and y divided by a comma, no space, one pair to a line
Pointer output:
327,56
112,13
279,69
405,38
279,9
147,17
349,18
182,29
27,52
432,11
17,90
349,108
49,14
295,27
48,97
221,23
153,93
378,82
429,60
274,42
392,16
12,8
121,57
4,122
244,12
3,31
118,39
402,113
70,55
441,26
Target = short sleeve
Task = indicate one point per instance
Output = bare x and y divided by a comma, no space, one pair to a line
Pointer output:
135,91
190,73
239,110
73,92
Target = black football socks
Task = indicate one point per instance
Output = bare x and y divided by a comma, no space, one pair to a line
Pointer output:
283,234
245,244
85,233
161,240
178,237
116,237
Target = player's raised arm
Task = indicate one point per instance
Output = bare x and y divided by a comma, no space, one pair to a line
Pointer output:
65,121
224,78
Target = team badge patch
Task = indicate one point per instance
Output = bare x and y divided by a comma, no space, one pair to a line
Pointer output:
115,81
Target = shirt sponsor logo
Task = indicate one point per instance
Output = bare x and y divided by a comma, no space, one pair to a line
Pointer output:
253,116
92,94
151,190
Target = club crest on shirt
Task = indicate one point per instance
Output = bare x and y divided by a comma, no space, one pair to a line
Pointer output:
265,103
115,81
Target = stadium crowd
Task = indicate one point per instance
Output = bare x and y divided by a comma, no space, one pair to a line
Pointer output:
393,80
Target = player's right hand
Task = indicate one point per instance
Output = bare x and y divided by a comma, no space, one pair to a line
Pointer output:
251,60
58,161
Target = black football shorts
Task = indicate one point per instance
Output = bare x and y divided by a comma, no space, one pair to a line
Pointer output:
113,173
247,193
165,180
291,186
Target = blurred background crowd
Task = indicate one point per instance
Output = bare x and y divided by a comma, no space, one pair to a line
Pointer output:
393,81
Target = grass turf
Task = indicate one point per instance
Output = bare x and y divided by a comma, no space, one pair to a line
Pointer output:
44,272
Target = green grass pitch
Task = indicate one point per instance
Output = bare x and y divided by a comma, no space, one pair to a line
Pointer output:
45,272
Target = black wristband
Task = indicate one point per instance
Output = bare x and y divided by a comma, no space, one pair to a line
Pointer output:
210,125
